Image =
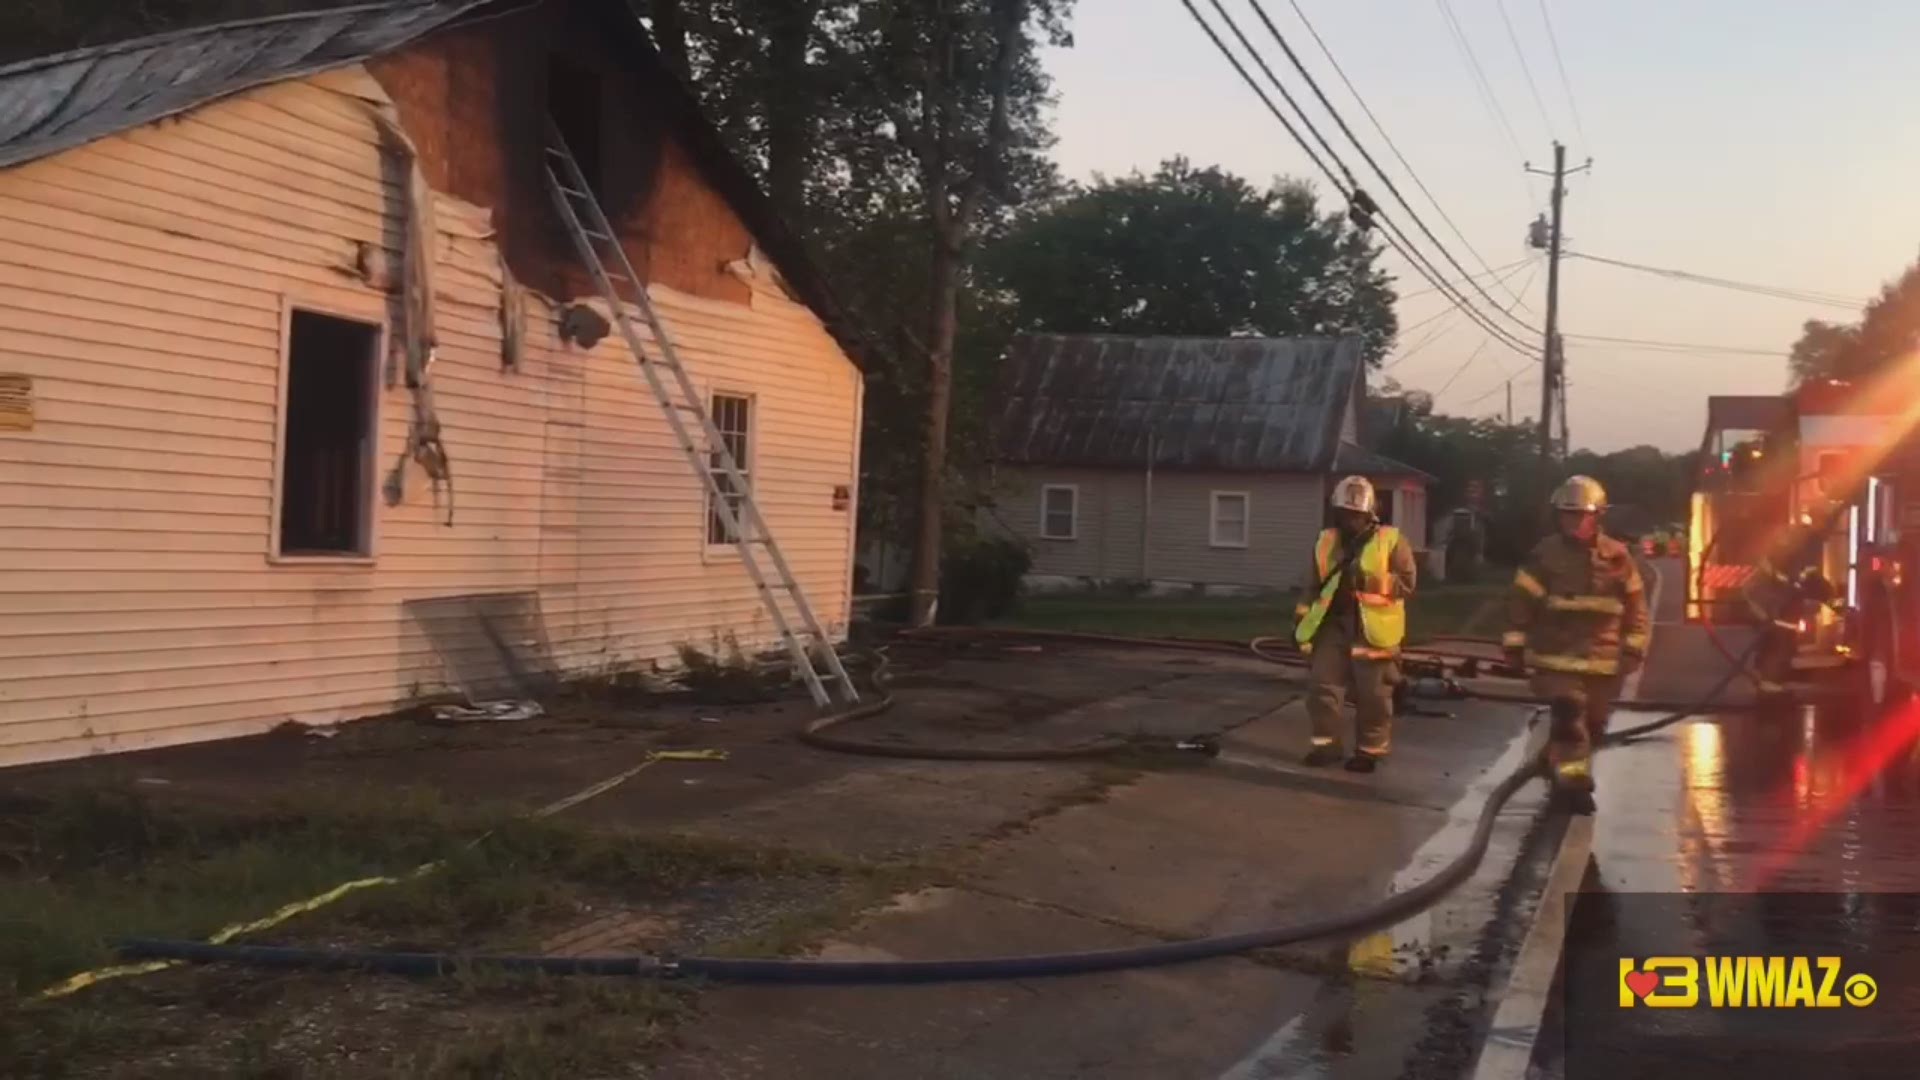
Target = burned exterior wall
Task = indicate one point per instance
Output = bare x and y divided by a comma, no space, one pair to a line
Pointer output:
147,283
475,100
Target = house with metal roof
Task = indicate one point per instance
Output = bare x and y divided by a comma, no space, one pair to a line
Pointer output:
309,406
1184,462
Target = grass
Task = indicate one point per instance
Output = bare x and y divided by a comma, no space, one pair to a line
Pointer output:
77,872
1436,611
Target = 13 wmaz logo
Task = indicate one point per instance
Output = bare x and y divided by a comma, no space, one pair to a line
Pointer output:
1742,982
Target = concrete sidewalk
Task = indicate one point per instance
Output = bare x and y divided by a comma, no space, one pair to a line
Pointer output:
1254,842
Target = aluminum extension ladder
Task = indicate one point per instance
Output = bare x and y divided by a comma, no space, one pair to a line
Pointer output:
587,223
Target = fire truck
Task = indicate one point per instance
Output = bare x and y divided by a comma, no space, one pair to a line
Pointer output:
1846,466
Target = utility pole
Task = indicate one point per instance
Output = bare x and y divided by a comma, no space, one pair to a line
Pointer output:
1509,402
1546,234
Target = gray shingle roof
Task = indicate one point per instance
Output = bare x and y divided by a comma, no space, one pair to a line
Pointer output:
54,103
1221,403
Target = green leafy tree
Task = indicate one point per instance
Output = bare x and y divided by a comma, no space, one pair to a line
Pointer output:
1889,329
1191,251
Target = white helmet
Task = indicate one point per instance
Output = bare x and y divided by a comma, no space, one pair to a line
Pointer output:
1354,493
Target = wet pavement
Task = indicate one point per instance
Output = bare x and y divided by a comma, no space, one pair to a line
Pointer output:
1821,804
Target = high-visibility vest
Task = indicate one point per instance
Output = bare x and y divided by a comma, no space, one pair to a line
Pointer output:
1383,613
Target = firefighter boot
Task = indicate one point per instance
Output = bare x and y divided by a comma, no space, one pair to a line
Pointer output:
1323,754
1570,753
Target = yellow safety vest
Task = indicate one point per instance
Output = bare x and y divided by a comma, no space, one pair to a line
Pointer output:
1383,615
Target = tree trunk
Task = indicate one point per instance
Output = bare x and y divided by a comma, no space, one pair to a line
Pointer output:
933,474
789,109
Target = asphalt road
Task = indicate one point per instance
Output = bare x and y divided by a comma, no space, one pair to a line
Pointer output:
1793,834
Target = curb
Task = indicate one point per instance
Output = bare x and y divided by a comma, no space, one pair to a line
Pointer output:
1508,1050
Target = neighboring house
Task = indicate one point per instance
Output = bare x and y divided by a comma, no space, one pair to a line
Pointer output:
1185,462
216,404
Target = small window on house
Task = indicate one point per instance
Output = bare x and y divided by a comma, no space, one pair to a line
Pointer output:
574,105
1059,512
733,415
326,467
1228,528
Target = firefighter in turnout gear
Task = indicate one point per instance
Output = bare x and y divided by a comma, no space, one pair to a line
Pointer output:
1579,626
1785,588
1351,626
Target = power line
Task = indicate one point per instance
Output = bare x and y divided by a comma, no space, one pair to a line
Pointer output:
1471,357
1389,232
1680,346
1435,336
1553,39
1487,97
1496,270
1525,68
1522,377
1384,137
1392,188
1778,292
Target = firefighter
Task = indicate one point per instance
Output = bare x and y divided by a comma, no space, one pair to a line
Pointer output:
1352,624
1579,626
1786,584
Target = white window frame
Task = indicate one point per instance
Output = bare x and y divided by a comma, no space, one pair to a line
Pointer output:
374,316
724,548
1213,519
1073,518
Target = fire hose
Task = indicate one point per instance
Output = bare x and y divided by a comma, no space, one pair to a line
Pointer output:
1352,923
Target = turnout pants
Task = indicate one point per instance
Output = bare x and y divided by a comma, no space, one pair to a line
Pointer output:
1334,673
1580,706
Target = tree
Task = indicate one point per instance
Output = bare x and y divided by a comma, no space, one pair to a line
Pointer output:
1889,329
961,89
1191,251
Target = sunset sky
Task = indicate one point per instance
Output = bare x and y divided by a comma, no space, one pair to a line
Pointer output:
1760,140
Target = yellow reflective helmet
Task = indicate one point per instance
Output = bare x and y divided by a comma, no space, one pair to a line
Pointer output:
1580,493
1353,493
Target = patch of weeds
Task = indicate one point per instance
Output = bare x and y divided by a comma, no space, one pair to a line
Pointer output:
726,676
558,1028
801,928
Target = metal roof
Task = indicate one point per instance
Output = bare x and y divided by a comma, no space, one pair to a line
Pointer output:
54,103
1219,403
1352,458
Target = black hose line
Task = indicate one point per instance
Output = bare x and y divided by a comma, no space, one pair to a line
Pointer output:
1356,922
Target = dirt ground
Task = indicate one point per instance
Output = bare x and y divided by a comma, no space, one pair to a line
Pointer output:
767,852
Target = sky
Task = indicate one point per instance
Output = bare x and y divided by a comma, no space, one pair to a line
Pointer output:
1766,141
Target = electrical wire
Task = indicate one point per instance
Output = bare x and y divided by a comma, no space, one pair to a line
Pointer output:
1461,370
1389,232
1514,266
1553,40
1393,189
1327,52
1526,69
1487,96
1678,346
1431,338
1780,292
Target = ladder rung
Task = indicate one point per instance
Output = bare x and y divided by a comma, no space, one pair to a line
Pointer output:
598,235
575,192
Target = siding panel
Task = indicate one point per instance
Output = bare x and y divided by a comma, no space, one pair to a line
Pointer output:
142,281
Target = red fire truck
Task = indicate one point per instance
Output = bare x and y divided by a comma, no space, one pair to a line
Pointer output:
1832,457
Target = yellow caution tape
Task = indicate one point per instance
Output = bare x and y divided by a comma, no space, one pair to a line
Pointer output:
300,907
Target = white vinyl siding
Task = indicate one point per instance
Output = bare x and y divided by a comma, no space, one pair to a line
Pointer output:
143,280
1229,519
1059,512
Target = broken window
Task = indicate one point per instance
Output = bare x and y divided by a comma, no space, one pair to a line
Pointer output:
326,467
574,105
732,414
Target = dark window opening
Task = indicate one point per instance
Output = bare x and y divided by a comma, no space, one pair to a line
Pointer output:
574,106
731,414
325,475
